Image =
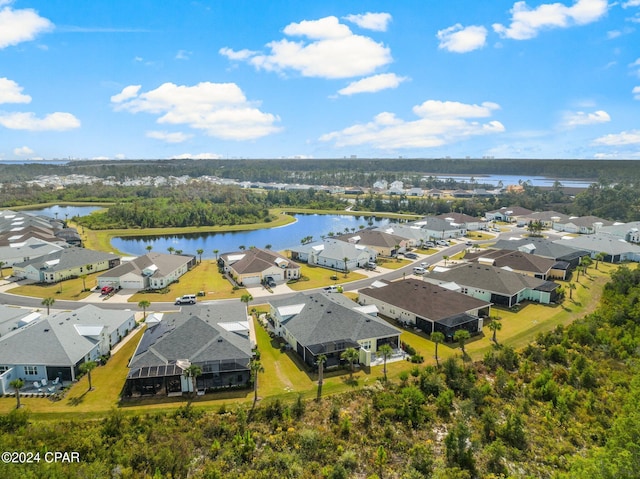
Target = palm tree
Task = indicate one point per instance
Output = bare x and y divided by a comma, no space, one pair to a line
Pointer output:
17,384
149,248
242,247
83,277
600,257
87,367
346,266
256,368
192,373
216,251
351,355
320,360
178,252
200,251
2,263
437,337
386,351
171,249
461,336
246,298
571,287
144,304
48,302
585,262
495,325
445,258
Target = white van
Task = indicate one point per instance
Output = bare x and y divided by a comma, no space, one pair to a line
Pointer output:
419,270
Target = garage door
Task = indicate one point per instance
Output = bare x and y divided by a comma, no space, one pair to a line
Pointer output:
250,280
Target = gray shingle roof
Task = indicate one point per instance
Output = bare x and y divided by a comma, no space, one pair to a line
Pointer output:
197,334
331,317
487,278
543,247
69,258
166,264
256,260
514,259
425,299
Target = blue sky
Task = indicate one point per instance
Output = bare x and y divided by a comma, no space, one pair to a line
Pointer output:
331,79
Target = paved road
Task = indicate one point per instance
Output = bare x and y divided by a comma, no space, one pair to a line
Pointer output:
114,304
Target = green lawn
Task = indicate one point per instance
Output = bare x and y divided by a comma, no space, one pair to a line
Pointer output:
70,289
318,277
391,263
203,277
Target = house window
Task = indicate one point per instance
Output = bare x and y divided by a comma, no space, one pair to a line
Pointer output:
4,369
31,370
366,345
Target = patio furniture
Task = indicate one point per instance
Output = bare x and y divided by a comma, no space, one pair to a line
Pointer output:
52,389
56,380
44,382
36,384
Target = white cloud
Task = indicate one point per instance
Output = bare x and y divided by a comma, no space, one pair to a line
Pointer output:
459,39
198,156
631,137
183,55
329,50
220,110
636,67
631,3
57,121
580,118
176,137
636,92
17,26
373,84
526,22
11,92
23,151
439,123
371,21
126,94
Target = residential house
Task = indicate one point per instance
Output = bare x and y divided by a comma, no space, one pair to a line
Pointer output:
64,264
256,265
545,248
427,306
219,338
519,262
614,249
328,324
415,192
15,251
380,185
469,222
510,214
54,347
629,232
151,271
582,224
333,254
413,236
13,317
437,228
385,244
495,285
547,219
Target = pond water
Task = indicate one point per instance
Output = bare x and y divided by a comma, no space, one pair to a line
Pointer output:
279,238
64,212
513,180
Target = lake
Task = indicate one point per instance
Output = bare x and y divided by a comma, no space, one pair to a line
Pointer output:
63,212
513,180
280,238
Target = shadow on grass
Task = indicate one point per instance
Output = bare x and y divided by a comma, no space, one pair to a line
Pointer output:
221,395
77,400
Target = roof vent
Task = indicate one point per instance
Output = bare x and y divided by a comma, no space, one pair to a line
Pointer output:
46,330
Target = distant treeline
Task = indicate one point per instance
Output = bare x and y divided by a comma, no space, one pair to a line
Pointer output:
346,172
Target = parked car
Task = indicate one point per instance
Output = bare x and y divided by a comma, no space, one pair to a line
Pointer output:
429,244
442,243
186,299
411,255
107,290
419,270
424,264
468,243
271,283
372,265
331,289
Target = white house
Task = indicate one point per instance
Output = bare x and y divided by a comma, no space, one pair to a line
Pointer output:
331,254
151,271
256,265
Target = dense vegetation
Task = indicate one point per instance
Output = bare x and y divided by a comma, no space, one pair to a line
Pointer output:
567,406
361,172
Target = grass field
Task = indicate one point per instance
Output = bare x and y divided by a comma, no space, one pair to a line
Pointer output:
317,277
71,289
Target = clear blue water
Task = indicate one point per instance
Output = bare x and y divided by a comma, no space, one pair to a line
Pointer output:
513,180
280,238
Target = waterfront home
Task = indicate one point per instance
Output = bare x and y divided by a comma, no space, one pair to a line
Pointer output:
256,266
385,244
334,254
